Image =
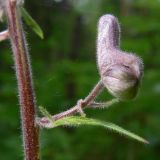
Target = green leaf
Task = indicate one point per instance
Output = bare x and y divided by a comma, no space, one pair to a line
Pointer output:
32,23
45,113
77,121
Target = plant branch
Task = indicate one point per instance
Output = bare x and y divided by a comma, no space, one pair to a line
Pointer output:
24,80
78,108
4,35
103,104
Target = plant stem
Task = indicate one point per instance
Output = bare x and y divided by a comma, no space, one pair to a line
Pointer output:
84,103
24,79
4,35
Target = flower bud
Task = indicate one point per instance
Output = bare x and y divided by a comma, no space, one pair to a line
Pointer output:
120,72
122,79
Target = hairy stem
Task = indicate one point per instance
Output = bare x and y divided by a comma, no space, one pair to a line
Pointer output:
4,35
24,79
84,103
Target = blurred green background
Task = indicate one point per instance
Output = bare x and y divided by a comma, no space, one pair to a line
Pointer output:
64,69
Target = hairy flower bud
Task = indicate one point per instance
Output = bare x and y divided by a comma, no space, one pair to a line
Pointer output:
120,72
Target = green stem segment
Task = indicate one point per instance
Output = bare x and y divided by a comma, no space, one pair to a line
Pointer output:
24,78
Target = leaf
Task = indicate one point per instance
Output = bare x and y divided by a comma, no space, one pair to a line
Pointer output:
77,121
45,113
32,23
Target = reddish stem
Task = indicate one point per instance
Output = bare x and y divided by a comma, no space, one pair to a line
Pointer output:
24,79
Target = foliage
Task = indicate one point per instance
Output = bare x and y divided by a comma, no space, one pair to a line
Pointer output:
81,120
32,23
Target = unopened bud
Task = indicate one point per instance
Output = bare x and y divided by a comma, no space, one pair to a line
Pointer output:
120,72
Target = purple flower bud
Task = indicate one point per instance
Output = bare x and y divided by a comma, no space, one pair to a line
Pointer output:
121,72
